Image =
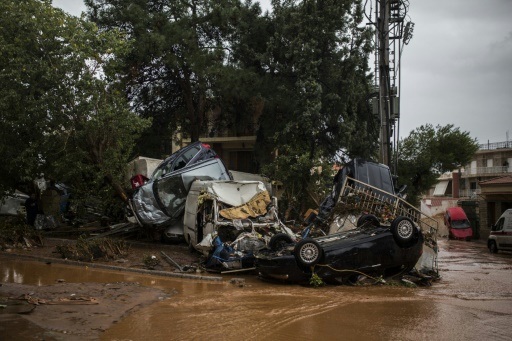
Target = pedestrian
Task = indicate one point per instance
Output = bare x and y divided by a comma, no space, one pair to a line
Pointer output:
31,208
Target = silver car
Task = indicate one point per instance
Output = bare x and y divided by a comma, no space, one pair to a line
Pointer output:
159,204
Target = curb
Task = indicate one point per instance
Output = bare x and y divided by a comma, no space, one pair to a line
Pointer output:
112,267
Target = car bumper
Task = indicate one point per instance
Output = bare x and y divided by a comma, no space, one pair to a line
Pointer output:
283,268
461,233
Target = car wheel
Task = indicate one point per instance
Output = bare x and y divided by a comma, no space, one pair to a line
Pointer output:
493,247
368,220
308,252
279,241
404,231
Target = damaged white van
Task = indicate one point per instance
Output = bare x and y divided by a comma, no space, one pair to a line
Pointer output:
230,220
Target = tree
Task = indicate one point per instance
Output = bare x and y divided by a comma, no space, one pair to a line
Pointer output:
61,109
317,61
180,65
429,152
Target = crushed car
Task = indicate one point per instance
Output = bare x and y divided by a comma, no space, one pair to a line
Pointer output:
369,231
159,204
371,250
229,221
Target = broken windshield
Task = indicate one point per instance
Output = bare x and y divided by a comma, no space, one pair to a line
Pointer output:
171,194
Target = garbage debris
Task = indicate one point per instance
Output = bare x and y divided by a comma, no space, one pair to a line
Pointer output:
228,221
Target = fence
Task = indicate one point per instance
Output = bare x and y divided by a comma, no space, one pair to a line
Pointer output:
386,206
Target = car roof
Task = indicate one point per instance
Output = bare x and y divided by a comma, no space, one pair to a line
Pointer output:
457,213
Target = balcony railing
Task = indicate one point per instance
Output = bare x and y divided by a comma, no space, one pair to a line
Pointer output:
469,193
486,171
496,145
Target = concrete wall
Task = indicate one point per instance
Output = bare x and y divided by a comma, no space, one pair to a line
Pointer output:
437,206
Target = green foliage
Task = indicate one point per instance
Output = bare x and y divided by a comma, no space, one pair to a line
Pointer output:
429,152
316,281
62,109
180,65
317,104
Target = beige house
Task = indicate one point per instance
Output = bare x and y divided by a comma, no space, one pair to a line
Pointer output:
483,187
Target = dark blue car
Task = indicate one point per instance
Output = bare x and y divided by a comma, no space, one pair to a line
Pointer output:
371,250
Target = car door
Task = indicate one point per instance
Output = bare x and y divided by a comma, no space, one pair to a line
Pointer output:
497,231
158,201
506,238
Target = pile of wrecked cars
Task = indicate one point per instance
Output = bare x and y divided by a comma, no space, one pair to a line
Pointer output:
365,226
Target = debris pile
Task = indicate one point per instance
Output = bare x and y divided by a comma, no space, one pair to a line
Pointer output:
14,233
88,250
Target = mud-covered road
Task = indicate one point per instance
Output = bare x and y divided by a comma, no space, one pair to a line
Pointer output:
472,301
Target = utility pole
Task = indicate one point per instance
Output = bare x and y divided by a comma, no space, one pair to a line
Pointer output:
384,104
392,31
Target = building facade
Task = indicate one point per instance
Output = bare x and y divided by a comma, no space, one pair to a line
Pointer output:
483,187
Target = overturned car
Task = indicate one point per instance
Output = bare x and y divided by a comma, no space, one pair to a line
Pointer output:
370,231
370,250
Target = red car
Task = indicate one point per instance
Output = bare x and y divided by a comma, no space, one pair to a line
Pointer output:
458,224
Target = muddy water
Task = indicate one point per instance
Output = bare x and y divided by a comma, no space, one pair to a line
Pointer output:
473,300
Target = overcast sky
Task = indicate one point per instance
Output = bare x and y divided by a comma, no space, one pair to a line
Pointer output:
457,68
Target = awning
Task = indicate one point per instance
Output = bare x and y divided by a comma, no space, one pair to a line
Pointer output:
441,187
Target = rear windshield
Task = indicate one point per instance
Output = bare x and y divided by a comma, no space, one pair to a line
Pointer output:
375,175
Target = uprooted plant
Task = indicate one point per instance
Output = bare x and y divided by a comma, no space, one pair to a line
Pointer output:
14,232
93,249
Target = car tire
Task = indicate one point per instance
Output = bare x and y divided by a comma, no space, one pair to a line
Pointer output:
279,241
404,231
368,220
308,253
493,247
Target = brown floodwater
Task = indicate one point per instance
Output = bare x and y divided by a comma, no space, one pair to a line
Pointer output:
473,300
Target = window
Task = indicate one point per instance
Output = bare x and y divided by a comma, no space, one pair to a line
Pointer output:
185,158
499,225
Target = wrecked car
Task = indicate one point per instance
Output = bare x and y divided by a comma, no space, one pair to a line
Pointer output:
369,230
186,156
13,204
159,203
228,221
373,250
366,175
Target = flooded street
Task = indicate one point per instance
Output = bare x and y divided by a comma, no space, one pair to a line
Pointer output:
473,300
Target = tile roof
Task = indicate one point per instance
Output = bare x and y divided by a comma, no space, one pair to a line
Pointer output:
507,179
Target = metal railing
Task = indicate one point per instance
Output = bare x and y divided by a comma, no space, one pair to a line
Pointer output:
496,145
497,170
385,206
469,193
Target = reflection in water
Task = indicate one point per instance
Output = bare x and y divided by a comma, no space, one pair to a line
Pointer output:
12,276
